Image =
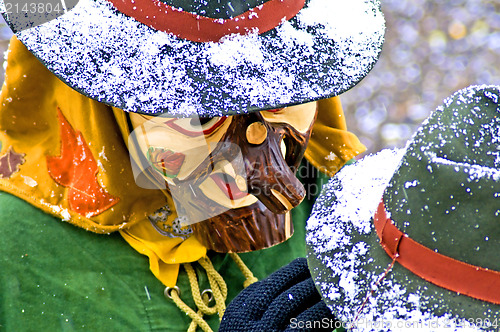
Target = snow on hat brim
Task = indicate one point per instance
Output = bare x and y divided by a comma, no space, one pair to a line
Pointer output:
327,48
357,278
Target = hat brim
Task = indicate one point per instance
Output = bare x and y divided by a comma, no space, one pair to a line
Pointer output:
323,51
354,274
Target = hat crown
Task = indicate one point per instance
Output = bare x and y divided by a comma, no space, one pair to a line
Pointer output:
446,191
443,192
219,9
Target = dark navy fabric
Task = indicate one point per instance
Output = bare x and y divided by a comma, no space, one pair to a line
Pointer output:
287,300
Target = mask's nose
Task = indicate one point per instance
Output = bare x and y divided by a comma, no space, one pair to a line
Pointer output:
269,177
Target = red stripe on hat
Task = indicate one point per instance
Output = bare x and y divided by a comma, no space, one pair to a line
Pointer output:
186,25
443,271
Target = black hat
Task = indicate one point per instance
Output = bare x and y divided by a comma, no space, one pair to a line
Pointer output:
209,57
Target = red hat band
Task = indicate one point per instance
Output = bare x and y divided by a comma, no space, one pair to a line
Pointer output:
443,271
160,16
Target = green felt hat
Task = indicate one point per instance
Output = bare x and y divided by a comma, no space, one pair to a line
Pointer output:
206,57
411,238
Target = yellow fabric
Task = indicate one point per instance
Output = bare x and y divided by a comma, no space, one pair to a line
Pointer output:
36,107
165,254
29,125
331,145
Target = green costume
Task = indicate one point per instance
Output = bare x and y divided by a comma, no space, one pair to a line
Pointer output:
65,153
65,158
57,277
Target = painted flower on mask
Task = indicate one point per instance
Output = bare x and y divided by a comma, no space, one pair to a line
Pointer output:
165,161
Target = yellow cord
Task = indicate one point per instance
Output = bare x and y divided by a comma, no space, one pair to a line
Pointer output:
195,291
197,318
218,289
194,325
250,278
218,285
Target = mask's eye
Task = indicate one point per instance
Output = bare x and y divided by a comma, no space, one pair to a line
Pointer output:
300,117
196,126
200,121
276,110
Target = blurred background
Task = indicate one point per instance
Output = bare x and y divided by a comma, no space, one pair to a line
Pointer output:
432,49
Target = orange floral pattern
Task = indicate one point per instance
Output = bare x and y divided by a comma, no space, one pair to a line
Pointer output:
76,169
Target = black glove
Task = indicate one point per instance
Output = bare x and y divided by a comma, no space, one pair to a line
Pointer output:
287,300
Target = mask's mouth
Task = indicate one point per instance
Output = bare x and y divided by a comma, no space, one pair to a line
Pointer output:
165,161
227,187
227,184
224,185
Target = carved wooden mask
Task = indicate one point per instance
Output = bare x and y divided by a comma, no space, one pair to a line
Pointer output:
242,166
